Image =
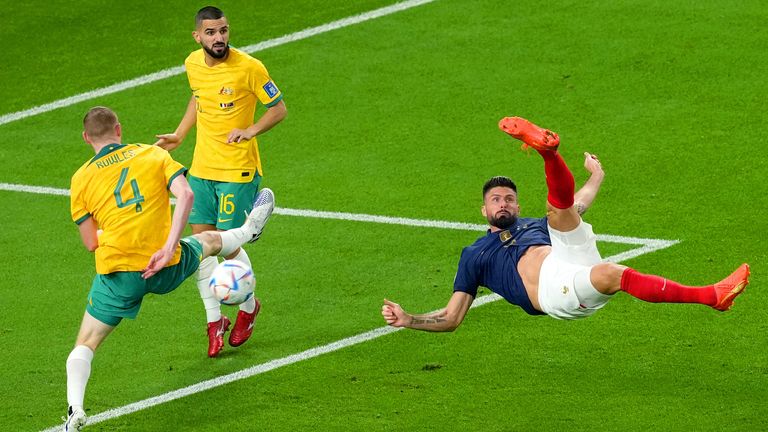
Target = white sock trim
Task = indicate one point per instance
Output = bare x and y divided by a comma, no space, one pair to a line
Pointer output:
233,239
81,352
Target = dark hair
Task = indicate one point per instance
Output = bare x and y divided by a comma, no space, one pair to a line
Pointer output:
99,121
499,181
208,13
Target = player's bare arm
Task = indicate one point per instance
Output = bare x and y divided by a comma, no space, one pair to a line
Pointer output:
184,199
586,195
89,234
446,319
172,140
273,116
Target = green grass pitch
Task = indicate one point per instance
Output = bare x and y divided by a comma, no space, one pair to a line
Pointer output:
397,116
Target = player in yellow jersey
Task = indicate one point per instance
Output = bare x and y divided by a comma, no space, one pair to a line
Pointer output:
120,200
226,169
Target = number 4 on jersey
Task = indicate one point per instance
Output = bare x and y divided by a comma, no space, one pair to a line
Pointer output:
137,199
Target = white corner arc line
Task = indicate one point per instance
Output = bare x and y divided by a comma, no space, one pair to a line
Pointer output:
167,73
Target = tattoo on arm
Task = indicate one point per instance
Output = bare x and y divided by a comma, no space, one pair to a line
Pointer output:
428,320
432,321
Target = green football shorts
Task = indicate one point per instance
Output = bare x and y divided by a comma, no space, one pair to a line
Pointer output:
118,295
222,204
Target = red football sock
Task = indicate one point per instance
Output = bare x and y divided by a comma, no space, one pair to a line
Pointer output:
656,289
560,182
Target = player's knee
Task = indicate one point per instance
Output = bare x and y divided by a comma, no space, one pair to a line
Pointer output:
91,344
211,241
606,277
90,338
564,220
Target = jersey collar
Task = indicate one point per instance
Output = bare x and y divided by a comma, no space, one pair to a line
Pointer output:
107,149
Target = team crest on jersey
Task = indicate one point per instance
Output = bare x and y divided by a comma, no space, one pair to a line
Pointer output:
505,236
271,89
227,91
226,106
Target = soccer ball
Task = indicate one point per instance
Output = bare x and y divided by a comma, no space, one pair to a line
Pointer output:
232,282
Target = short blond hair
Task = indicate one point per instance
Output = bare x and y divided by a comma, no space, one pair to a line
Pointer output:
99,122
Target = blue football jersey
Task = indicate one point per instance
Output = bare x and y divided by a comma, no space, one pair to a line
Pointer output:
491,261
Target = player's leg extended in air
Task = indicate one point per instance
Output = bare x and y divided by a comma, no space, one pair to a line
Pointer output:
218,324
609,278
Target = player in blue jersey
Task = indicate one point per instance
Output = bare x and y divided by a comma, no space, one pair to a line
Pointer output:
550,266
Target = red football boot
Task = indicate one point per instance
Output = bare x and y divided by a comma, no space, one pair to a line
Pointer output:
216,332
530,134
730,287
243,326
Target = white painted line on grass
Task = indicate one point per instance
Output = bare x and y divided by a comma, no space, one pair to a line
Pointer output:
359,217
259,369
647,245
43,190
236,376
651,245
167,73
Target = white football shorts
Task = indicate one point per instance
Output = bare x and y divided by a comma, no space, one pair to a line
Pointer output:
565,289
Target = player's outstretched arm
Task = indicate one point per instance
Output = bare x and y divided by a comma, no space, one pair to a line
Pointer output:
446,319
583,199
184,199
172,140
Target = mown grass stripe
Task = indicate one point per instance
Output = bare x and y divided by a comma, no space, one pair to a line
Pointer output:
263,367
167,73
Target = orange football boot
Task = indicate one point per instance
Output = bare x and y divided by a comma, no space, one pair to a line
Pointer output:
727,289
530,134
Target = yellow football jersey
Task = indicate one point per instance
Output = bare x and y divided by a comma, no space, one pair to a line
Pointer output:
226,96
125,189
